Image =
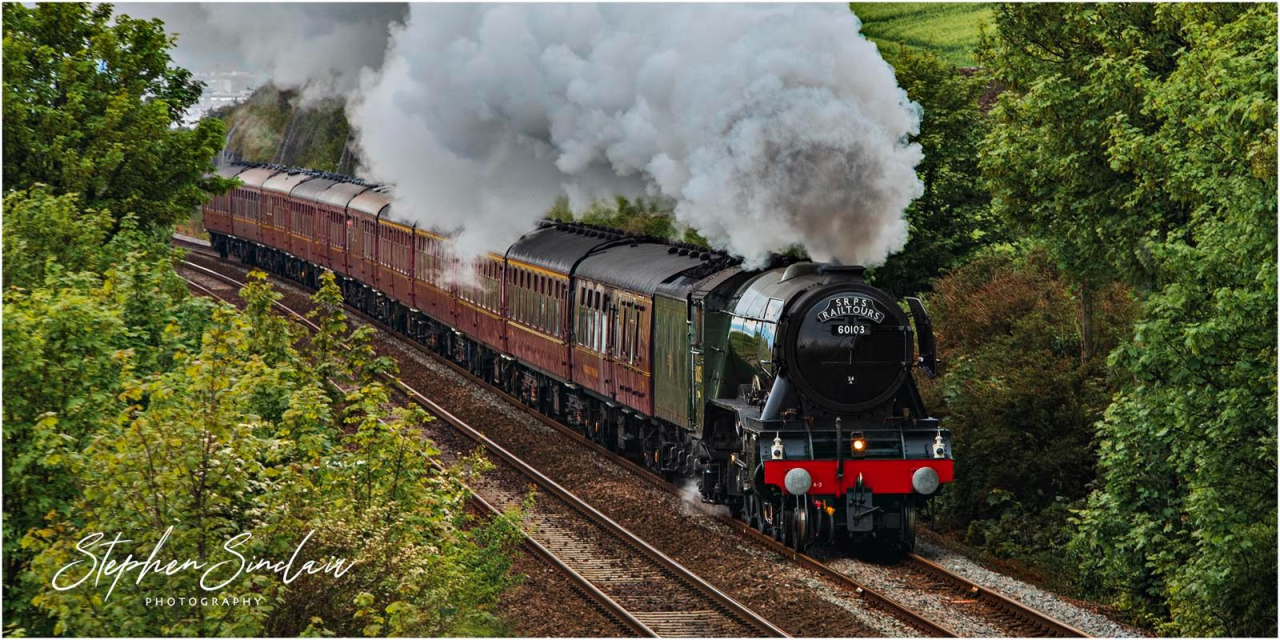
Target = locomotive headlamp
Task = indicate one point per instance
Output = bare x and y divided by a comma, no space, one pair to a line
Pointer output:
939,447
776,450
924,481
858,444
797,482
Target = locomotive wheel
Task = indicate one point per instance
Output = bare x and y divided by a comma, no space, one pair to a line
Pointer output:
767,517
787,529
800,526
780,523
757,513
907,534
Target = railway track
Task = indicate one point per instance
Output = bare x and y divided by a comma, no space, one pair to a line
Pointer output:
645,590
1007,614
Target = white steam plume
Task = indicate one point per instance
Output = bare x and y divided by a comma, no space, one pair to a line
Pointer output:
318,48
769,126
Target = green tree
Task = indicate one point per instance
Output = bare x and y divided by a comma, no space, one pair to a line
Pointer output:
953,217
45,234
1068,73
240,437
1140,142
646,217
89,108
72,337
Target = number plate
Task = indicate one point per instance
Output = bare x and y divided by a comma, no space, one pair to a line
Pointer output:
851,330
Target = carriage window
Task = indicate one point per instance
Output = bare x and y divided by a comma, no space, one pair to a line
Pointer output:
595,320
555,309
624,331
581,317
608,316
495,291
603,338
542,303
527,302
535,300
635,334
591,318
630,327
524,296
620,321
598,332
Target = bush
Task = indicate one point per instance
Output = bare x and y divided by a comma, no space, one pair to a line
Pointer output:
1019,401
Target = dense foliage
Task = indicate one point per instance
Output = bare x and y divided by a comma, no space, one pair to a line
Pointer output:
89,101
132,408
1020,404
1139,142
953,217
172,411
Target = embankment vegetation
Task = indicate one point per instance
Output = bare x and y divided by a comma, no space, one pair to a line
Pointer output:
132,407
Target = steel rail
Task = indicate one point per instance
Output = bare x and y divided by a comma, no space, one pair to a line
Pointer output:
1054,627
735,609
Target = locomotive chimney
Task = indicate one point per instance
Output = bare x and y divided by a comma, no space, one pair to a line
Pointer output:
841,273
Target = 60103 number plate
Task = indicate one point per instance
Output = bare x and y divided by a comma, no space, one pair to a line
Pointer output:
850,330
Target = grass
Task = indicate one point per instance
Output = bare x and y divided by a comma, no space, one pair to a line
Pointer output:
949,30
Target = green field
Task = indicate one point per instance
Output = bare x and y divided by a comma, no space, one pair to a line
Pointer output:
949,30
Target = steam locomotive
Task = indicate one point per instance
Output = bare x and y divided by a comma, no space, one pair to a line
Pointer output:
787,394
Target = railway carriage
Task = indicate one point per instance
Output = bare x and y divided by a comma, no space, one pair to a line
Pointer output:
308,233
217,213
280,211
245,200
786,393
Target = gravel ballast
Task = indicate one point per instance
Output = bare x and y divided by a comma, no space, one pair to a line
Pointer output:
1090,622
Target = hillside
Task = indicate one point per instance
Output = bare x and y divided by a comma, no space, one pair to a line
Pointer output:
948,30
272,126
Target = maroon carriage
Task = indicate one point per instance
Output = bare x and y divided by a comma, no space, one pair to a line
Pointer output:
278,208
362,234
246,201
332,225
617,286
432,277
307,229
217,212
537,285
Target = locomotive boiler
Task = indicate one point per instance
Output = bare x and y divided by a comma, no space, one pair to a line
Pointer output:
787,394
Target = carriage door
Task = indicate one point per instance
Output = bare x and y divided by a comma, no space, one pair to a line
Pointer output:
609,363
695,352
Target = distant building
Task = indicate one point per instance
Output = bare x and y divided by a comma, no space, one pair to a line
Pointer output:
222,88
